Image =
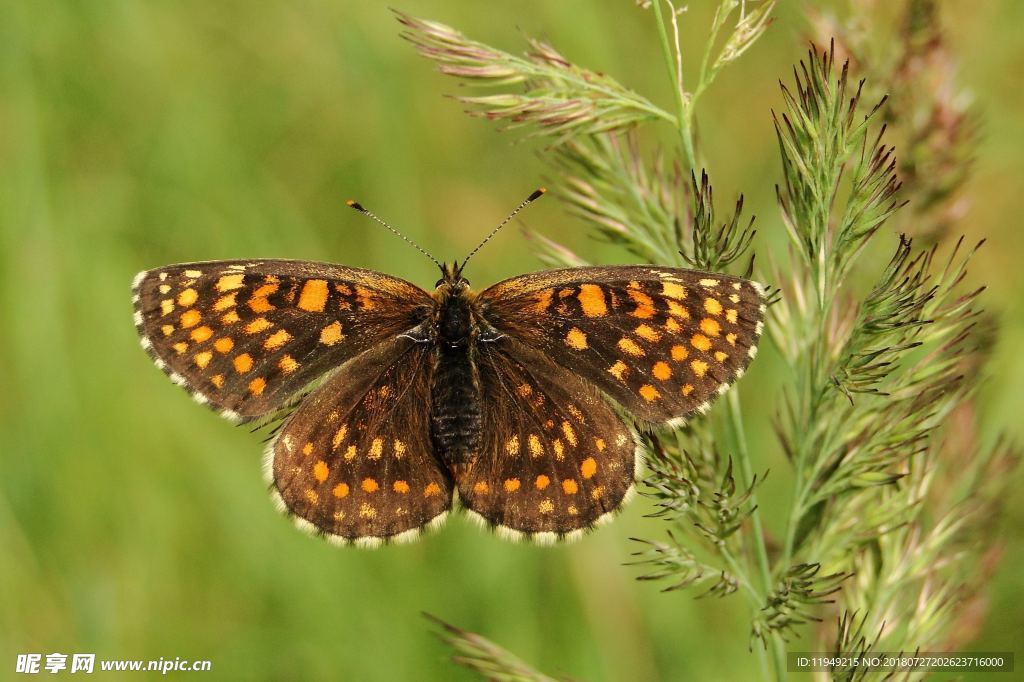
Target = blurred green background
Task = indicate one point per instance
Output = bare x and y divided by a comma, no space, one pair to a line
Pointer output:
135,524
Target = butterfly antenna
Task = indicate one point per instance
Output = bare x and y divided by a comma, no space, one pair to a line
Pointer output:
373,216
537,193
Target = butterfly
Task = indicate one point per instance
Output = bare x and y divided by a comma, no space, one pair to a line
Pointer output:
518,399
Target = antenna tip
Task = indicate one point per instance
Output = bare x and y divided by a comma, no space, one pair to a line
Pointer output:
537,193
355,204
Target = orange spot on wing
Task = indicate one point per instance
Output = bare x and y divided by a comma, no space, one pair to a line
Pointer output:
229,282
731,338
203,359
225,302
713,306
257,385
599,444
340,490
243,363
630,347
536,449
376,448
339,437
331,334
700,342
167,329
720,356
647,333
699,367
591,298
542,482
200,334
180,347
679,353
321,471
287,364
512,445
673,290
313,297
187,297
710,327
230,317
431,490
511,485
661,371
369,485
570,434
224,344
576,339
618,370
400,487
687,389
481,487
277,339
190,318
649,393
217,380
546,507
307,449
570,487
589,467
258,325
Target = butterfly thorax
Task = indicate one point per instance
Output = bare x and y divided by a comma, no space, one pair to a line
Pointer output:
455,389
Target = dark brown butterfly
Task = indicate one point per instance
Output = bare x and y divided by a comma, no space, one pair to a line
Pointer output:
396,399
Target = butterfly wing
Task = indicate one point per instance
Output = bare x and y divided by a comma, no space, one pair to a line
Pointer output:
663,342
555,457
245,336
355,462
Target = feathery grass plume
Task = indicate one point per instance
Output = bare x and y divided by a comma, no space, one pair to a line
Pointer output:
557,98
935,125
605,181
483,656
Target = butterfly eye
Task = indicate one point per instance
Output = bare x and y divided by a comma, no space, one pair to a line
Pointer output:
438,282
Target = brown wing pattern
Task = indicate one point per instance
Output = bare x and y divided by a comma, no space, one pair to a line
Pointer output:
663,342
244,336
354,462
555,458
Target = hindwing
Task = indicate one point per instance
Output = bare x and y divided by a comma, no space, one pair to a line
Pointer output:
555,458
355,461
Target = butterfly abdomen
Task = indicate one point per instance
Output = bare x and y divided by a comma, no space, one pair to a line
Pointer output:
455,393
455,414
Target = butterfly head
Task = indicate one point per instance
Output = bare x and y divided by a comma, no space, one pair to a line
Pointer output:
451,277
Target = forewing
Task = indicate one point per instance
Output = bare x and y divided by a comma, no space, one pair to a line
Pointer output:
354,462
555,457
244,336
663,342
